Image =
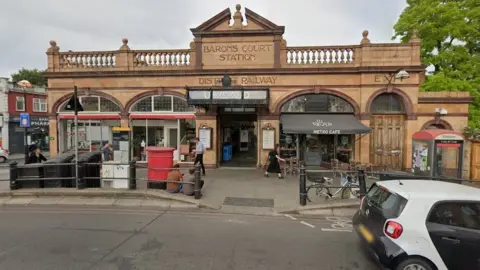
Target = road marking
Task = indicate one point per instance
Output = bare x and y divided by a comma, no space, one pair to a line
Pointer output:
335,230
290,217
307,224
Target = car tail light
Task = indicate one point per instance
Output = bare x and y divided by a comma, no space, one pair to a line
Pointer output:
393,229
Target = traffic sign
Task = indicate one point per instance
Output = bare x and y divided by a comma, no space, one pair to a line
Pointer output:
25,120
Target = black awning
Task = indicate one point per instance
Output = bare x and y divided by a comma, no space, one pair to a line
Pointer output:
322,124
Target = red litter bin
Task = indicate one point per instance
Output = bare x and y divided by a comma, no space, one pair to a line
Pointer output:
160,162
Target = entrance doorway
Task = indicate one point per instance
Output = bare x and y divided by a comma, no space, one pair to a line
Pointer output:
238,133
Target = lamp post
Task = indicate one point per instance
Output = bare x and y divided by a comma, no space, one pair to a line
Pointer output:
398,74
25,84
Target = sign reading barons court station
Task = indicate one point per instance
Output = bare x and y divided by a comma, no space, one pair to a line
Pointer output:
251,53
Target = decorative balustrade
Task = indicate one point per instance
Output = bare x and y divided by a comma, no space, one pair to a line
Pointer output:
320,55
162,58
87,59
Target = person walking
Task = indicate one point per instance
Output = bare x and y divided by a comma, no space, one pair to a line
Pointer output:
274,162
35,155
199,151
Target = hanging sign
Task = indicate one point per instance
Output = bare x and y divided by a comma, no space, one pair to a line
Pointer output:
24,120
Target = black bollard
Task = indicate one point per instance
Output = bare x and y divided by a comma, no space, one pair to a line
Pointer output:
303,185
81,174
14,184
362,183
132,176
198,178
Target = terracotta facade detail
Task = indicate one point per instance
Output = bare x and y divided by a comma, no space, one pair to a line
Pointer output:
255,55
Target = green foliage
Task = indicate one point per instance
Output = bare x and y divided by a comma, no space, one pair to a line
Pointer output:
450,34
34,76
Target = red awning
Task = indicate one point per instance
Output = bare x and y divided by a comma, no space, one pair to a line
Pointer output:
90,116
162,116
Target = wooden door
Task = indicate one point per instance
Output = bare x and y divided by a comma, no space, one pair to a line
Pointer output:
387,141
475,164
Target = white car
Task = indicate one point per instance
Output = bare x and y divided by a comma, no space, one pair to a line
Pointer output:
3,155
421,224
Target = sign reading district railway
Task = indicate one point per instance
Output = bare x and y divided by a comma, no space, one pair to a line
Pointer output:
232,54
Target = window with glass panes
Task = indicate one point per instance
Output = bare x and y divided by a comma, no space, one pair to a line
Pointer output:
39,105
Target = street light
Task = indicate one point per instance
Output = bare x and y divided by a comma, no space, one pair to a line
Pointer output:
25,84
399,74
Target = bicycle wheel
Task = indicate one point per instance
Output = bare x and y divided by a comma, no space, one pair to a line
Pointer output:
346,193
318,190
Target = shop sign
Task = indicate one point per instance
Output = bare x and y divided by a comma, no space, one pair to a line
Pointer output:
35,121
234,96
326,131
320,123
226,94
453,137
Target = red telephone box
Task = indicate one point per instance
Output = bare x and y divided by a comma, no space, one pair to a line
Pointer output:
437,153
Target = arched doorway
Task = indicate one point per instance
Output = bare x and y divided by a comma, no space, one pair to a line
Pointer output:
387,138
162,120
95,123
313,141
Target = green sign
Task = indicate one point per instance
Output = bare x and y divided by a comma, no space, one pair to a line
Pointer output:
52,138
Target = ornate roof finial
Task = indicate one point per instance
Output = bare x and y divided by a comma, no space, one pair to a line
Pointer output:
414,38
237,18
365,39
125,45
53,47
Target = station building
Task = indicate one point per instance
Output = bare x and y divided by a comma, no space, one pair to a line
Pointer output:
238,85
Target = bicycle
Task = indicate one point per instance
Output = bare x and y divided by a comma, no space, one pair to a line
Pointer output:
349,188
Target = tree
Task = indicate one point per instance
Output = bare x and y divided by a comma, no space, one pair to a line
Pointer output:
450,34
34,76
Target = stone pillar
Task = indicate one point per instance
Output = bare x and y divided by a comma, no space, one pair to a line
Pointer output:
410,128
52,129
209,121
124,121
362,146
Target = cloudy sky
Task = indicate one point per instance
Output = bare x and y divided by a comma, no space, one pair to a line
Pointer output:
26,26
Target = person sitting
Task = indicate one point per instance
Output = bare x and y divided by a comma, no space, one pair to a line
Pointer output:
189,183
35,155
177,176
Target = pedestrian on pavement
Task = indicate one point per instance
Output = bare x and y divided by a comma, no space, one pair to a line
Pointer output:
107,152
174,176
35,155
188,187
199,151
274,162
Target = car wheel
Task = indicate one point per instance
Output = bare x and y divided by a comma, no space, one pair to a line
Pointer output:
3,159
414,264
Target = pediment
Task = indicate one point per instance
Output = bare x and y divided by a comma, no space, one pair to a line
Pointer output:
220,24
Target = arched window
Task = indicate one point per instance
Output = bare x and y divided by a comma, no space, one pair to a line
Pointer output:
162,103
387,103
94,104
316,103
435,126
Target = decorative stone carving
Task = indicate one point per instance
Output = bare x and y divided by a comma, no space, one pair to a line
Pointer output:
125,45
237,18
414,38
365,39
53,47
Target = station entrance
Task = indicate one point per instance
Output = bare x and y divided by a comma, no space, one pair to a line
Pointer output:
238,137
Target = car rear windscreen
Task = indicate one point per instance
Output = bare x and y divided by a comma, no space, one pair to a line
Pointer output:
390,204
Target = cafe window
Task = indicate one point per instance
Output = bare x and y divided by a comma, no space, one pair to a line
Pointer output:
20,104
387,103
39,105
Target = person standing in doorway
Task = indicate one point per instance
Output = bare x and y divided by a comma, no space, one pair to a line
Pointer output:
199,150
274,162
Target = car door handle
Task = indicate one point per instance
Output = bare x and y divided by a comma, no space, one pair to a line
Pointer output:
451,239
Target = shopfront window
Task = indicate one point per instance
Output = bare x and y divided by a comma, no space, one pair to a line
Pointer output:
93,133
159,127
312,148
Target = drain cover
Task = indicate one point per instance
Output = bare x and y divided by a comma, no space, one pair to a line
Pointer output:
252,202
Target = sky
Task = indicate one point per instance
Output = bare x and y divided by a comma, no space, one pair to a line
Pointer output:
27,26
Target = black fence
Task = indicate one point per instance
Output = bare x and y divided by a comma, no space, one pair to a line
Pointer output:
357,179
61,172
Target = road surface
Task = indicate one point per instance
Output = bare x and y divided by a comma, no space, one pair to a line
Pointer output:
105,238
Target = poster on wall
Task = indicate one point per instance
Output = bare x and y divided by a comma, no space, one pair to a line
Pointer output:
268,138
420,157
205,137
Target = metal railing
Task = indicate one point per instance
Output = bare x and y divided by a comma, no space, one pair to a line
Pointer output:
62,175
361,176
